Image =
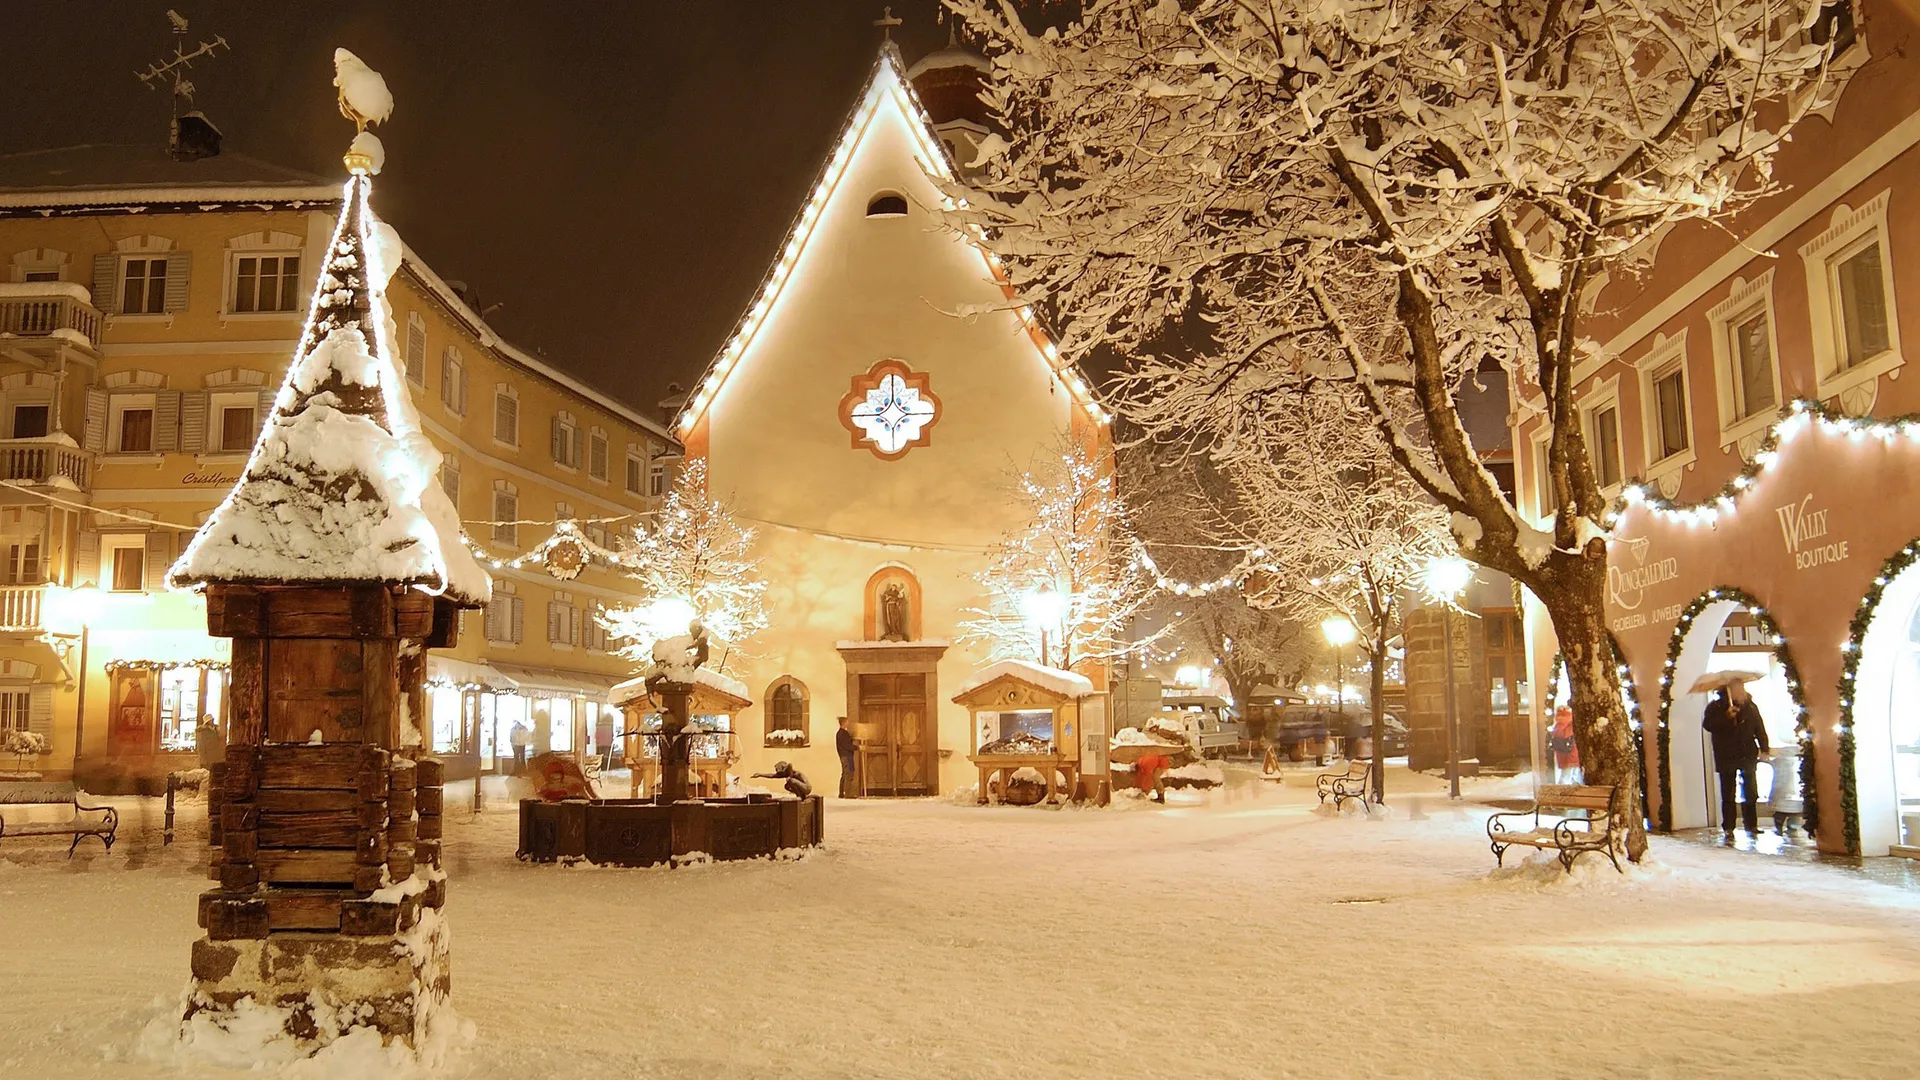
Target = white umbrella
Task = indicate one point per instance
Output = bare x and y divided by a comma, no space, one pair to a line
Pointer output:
1714,680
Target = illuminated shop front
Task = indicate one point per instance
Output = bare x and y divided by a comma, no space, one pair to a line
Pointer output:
474,707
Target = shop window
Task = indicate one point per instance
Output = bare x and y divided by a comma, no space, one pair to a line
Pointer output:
30,421
265,283
787,708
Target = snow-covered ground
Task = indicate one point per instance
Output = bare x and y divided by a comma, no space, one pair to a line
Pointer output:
1235,934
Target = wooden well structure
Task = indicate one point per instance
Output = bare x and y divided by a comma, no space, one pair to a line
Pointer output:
1008,690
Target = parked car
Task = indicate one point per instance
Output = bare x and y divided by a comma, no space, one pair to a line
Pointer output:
1207,722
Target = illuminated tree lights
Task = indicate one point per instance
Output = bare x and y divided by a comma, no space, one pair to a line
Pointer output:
1902,561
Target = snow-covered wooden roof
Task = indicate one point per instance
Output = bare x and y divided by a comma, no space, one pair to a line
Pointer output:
887,88
341,485
1057,682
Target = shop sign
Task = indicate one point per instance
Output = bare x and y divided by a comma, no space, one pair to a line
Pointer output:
209,479
1800,523
1627,586
1742,633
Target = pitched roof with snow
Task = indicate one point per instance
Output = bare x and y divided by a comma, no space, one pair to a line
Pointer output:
97,174
1067,684
887,88
340,486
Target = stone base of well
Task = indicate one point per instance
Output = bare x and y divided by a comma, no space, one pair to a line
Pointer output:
327,984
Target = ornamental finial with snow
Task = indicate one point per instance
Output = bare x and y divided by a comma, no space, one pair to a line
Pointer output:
340,486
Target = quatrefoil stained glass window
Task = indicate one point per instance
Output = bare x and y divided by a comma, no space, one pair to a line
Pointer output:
890,409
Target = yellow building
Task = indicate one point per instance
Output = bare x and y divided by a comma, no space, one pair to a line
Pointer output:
148,310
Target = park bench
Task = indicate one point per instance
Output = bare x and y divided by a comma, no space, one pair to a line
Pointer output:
1602,829
1351,784
79,828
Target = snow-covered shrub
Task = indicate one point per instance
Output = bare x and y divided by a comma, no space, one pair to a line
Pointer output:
24,743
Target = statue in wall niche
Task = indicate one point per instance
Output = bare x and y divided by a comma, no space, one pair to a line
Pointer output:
893,612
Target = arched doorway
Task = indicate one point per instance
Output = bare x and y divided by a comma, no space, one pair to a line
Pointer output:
1880,712
1727,629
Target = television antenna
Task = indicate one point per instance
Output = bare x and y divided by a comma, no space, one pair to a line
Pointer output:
176,67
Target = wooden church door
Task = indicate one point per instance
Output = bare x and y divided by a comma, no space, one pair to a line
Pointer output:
893,733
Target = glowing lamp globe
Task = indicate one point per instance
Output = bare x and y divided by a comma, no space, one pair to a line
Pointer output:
1339,630
1448,578
1043,607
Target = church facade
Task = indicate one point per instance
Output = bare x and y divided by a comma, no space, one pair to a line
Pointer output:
869,419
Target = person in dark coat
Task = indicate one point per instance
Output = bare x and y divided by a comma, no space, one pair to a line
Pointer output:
1739,738
843,742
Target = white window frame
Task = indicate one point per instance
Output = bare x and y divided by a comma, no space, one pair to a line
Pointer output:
1744,300
30,399
217,405
1604,395
1849,231
1667,355
113,542
656,478
570,441
636,474
117,406
230,287
502,390
1536,470
120,287
453,392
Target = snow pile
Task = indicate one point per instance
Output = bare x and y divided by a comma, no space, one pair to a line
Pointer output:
676,659
1197,774
786,737
1027,774
1541,870
1053,680
362,88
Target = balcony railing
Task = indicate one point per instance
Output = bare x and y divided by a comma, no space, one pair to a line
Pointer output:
20,606
45,461
46,308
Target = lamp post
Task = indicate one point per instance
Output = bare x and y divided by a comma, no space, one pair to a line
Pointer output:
1340,633
1043,608
1446,579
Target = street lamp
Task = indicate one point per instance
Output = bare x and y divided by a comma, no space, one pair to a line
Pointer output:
1043,608
1340,633
1446,579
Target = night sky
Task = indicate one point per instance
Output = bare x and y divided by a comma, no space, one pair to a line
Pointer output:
617,176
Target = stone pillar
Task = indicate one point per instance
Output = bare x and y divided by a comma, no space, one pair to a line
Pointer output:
329,819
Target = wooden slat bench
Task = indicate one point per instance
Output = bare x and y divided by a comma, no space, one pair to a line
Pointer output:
1601,830
1351,784
79,828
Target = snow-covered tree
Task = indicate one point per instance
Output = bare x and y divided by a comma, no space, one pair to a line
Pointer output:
1384,195
1341,529
1074,553
693,561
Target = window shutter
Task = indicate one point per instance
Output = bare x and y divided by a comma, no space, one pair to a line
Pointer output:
446,379
416,349
573,625
86,561
96,434
559,441
460,375
166,422
40,710
497,617
574,459
553,623
519,610
179,263
106,283
193,422
159,557
264,411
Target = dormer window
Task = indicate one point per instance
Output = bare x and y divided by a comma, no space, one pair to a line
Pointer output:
887,204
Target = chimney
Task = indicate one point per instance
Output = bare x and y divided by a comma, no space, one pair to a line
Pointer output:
194,137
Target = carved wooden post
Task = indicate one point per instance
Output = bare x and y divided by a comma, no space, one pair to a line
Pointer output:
333,565
676,701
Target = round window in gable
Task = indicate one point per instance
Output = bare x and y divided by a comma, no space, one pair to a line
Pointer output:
887,204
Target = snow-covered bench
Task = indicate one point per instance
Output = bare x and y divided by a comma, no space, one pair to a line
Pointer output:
1351,784
80,827
1602,829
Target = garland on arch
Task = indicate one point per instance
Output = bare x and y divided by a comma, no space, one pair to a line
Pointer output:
1850,651
1802,720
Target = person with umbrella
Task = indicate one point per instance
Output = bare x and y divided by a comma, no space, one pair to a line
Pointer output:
1739,738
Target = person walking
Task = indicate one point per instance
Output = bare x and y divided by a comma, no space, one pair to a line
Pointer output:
520,738
1566,751
1739,738
843,742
